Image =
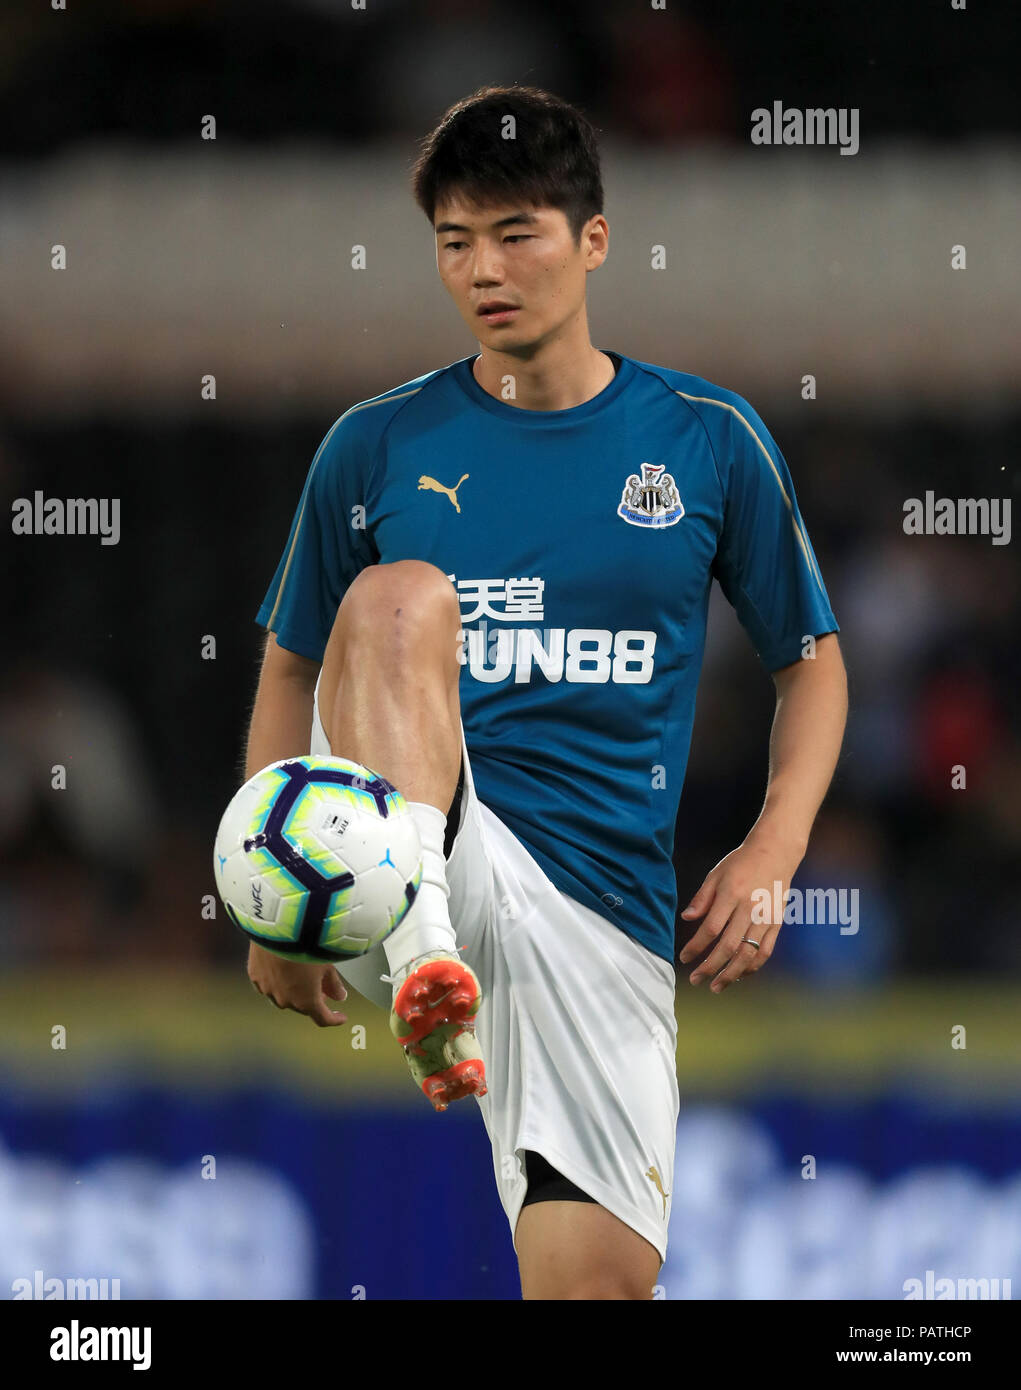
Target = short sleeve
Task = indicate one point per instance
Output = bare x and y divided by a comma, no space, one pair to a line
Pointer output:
764,560
327,547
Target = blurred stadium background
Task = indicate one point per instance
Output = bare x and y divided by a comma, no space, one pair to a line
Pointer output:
232,257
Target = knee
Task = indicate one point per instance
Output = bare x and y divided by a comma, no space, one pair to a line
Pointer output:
399,603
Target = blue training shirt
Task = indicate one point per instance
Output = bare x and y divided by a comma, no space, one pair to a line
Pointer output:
582,544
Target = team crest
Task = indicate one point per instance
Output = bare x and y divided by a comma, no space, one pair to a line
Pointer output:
652,499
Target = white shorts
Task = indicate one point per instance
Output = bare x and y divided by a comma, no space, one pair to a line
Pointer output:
576,1026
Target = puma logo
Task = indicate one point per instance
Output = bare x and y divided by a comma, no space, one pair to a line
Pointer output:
427,484
653,1173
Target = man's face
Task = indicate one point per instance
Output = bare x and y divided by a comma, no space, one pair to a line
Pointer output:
520,256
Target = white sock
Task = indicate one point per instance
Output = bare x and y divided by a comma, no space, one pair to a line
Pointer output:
426,927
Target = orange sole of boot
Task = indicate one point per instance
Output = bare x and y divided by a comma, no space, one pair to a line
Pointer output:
465,1079
441,991
441,994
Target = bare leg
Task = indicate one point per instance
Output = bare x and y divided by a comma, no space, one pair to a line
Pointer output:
578,1250
388,693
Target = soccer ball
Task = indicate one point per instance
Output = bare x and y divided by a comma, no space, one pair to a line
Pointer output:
317,859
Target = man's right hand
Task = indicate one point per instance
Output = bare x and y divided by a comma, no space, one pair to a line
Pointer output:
295,985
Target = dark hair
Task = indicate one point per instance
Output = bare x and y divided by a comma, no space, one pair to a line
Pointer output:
552,161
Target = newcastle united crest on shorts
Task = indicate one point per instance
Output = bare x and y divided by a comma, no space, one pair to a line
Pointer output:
652,499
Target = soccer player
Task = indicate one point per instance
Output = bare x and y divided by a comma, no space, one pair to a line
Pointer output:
494,595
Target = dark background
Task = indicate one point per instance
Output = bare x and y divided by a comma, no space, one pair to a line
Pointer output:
842,1047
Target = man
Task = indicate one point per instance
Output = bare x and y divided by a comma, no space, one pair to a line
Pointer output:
494,595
